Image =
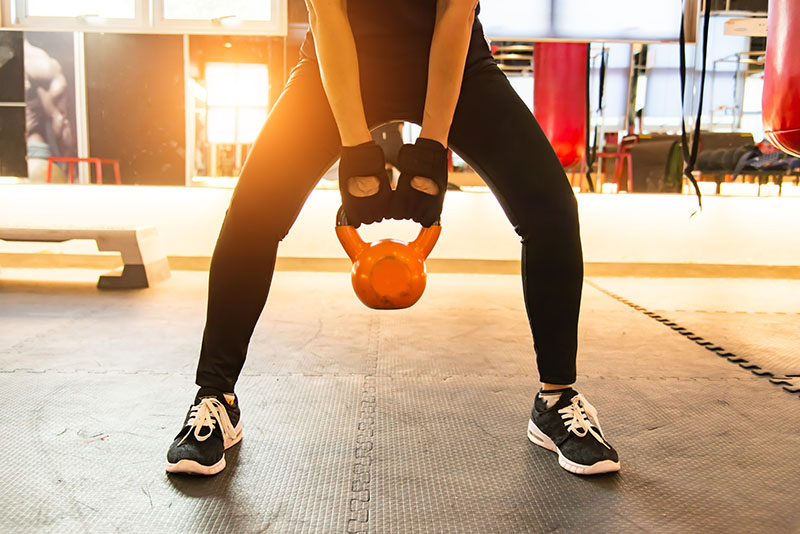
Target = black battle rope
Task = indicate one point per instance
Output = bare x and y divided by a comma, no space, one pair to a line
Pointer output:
690,157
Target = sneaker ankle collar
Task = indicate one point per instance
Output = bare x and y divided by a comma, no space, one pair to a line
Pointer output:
209,392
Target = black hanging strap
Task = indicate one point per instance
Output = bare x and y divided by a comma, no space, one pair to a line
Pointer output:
602,85
587,153
690,157
591,148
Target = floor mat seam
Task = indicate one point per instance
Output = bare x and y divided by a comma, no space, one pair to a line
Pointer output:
442,377
361,472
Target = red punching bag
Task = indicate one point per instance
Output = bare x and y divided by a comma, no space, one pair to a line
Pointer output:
781,98
559,97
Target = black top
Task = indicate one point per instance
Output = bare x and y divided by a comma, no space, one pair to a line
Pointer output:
386,26
410,19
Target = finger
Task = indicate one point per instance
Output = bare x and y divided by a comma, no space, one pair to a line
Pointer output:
425,185
419,212
363,186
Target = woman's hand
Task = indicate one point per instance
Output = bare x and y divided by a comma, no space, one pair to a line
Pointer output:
363,200
422,183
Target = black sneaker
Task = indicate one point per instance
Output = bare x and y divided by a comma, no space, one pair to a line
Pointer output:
211,426
570,428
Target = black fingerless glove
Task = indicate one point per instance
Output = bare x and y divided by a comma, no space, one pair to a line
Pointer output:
366,159
427,159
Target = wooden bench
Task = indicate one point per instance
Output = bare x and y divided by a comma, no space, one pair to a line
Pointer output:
143,258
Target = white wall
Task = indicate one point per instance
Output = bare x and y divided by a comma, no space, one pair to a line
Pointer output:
615,228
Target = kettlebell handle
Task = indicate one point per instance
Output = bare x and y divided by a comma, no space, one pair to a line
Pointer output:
353,244
348,236
426,239
341,217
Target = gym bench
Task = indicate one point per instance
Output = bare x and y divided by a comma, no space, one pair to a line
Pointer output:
143,258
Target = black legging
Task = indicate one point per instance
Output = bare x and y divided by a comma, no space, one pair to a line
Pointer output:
492,130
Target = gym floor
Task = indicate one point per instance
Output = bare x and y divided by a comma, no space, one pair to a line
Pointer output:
404,421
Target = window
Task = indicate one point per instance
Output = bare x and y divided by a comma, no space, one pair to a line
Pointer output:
751,108
230,106
725,83
662,100
628,20
214,9
620,20
515,19
724,86
110,9
238,96
256,17
615,91
213,16
79,15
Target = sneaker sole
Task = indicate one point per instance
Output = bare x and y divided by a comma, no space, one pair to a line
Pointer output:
541,439
191,467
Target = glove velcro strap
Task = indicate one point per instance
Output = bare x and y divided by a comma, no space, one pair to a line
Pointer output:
366,159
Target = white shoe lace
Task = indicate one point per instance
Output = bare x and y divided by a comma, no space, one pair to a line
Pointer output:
207,413
580,418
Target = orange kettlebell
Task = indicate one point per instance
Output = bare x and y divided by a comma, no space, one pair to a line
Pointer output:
388,274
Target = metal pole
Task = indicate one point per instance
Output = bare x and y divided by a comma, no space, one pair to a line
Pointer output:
188,97
690,18
711,96
628,102
5,14
81,108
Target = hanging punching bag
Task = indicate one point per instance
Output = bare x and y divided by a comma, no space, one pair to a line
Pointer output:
559,97
781,98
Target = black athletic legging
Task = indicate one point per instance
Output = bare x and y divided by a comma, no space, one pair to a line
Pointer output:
492,130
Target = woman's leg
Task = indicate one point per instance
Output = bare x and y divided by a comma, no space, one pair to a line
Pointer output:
495,132
297,144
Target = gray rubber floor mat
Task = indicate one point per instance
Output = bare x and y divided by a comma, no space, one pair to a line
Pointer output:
452,456
85,453
363,421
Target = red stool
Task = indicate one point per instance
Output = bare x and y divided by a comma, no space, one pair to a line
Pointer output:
98,165
622,157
